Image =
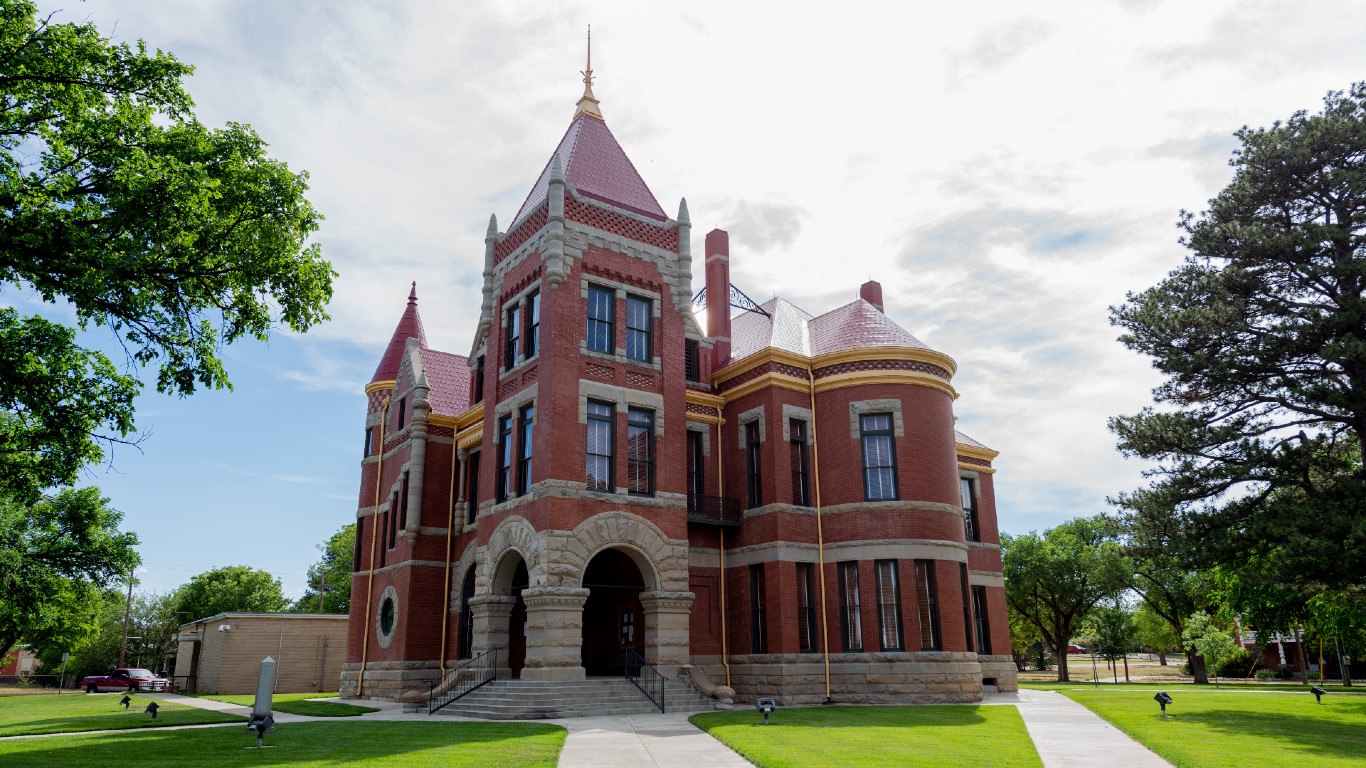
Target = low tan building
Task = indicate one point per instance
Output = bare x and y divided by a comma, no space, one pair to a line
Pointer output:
223,653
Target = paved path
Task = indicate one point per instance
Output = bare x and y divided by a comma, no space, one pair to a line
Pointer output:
643,741
1068,734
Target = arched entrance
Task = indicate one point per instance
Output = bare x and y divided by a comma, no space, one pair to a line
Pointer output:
511,579
613,619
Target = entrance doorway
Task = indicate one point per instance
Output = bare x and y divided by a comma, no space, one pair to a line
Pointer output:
613,619
517,620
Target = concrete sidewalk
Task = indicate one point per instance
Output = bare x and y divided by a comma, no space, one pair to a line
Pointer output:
643,741
1066,734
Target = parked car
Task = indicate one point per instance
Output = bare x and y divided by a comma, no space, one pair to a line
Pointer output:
125,679
1078,649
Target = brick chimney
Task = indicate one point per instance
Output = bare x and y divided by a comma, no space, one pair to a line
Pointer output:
718,295
871,292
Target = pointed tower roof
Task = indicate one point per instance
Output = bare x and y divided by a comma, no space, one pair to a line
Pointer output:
409,327
594,163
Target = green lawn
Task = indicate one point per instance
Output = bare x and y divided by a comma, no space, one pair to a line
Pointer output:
877,737
1152,687
1214,729
296,704
73,712
352,743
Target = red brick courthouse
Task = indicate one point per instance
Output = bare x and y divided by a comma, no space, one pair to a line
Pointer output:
779,499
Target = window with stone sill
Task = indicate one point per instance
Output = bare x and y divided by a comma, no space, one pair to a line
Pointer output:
601,320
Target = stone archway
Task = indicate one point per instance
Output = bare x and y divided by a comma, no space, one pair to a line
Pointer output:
510,579
613,617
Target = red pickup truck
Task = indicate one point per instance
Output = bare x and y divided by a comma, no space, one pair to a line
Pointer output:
125,679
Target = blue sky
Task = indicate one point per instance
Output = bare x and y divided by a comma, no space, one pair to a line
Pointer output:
1006,171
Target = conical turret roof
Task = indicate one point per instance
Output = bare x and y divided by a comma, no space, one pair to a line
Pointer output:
597,167
409,327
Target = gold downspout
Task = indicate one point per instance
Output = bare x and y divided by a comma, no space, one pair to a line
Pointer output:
820,532
721,492
374,532
450,529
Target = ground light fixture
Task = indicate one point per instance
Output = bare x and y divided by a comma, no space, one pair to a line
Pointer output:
152,707
766,706
1318,693
1163,699
126,700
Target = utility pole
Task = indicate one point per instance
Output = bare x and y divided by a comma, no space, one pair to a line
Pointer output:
127,609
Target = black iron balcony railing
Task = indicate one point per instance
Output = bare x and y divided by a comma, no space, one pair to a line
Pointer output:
714,510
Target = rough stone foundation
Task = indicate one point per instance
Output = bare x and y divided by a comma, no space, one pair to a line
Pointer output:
389,679
1002,669
855,678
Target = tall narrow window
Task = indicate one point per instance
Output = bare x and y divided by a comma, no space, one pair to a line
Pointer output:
600,317
851,620
801,473
598,464
533,325
758,631
640,451
369,441
394,518
503,489
383,536
879,461
402,411
527,419
472,488
979,612
360,538
638,324
888,605
967,604
754,480
479,380
692,369
927,599
401,518
697,484
970,523
806,607
512,335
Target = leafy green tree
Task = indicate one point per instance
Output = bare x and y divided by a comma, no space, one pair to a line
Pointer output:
1153,631
1110,631
96,650
1262,338
1208,640
1053,580
117,202
1026,644
229,589
56,558
331,575
1174,593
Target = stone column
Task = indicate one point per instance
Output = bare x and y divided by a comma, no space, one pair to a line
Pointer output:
491,614
666,629
554,634
459,513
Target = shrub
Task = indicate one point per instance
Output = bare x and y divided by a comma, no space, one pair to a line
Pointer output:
1236,664
1267,674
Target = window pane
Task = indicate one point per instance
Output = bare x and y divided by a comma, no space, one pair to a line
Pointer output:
889,605
640,449
638,328
600,305
598,462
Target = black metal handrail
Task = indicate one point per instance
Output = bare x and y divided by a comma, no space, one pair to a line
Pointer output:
464,680
646,678
714,510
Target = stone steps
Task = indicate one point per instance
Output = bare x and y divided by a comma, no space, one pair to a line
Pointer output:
537,700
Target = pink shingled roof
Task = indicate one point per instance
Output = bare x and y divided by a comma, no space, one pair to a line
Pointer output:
409,327
448,376
963,439
595,165
856,324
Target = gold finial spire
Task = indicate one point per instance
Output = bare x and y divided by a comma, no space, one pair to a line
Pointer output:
588,105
